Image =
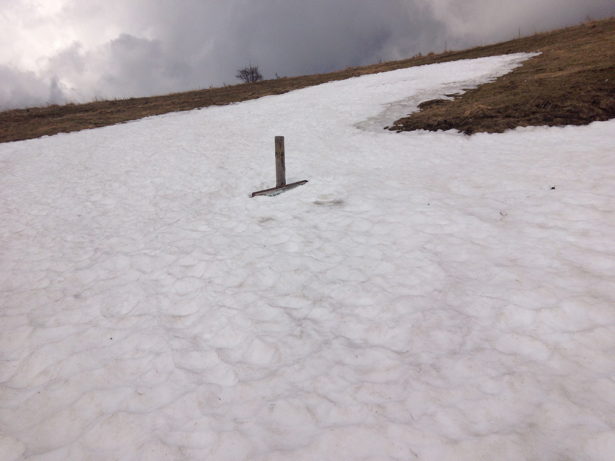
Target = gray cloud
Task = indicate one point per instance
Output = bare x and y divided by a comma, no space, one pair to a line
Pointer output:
26,89
79,50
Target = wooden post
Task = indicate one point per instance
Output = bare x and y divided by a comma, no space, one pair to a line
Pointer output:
280,166
280,173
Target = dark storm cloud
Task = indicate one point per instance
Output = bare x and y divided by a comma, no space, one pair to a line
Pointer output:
120,49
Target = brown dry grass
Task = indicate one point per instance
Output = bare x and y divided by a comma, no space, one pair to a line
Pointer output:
572,82
575,61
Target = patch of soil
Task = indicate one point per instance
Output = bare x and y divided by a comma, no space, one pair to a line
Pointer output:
572,82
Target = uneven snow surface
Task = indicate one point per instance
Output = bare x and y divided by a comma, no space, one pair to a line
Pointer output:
425,296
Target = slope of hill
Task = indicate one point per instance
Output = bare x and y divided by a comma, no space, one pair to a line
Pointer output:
571,82
591,43
425,296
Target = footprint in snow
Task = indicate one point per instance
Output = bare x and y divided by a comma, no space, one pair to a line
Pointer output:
326,200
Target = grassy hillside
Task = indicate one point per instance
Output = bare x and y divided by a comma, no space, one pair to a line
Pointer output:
573,81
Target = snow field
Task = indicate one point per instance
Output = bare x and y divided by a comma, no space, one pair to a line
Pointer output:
425,296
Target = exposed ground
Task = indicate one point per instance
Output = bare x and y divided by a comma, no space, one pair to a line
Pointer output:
572,82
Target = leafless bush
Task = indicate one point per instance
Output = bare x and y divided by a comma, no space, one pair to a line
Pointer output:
249,74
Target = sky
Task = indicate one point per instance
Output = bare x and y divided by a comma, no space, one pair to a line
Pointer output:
58,51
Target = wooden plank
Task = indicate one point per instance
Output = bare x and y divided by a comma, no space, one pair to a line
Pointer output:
278,190
280,172
280,164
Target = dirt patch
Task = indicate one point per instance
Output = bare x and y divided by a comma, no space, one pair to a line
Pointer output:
572,82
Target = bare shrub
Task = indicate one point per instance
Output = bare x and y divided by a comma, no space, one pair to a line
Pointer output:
249,74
